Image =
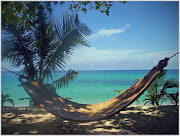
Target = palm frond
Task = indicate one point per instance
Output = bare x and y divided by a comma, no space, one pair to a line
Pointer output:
137,79
4,97
170,83
70,33
174,97
68,98
159,81
64,81
147,102
45,48
17,49
13,30
120,91
25,98
10,100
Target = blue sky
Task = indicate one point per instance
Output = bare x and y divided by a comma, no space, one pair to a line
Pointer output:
135,35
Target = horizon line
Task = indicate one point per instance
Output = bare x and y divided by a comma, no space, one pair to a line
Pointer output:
97,70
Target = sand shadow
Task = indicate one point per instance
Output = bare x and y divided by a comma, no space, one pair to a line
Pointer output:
135,120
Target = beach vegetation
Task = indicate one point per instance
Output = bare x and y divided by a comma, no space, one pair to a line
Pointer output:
174,97
24,13
120,91
30,101
6,98
42,48
68,98
157,91
45,48
102,6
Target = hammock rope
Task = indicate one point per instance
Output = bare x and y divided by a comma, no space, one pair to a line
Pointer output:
22,76
174,55
73,111
11,71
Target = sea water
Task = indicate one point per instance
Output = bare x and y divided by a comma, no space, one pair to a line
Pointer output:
89,87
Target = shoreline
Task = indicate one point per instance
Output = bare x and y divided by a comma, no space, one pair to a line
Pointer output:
134,120
132,105
97,70
95,103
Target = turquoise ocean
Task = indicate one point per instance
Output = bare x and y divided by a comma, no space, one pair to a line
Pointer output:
89,87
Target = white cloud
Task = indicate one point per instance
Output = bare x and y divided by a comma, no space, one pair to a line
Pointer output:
87,55
92,58
109,32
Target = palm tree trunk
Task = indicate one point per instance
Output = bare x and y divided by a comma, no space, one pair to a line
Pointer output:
29,103
13,106
35,104
157,103
152,103
2,104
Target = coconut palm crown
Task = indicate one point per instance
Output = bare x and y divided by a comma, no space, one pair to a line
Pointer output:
45,48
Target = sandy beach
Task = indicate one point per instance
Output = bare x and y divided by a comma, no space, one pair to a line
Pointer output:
133,120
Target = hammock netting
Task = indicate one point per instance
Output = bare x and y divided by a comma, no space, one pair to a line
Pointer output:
89,112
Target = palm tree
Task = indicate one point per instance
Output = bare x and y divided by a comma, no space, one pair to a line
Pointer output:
155,94
170,83
174,97
44,49
152,97
5,98
30,101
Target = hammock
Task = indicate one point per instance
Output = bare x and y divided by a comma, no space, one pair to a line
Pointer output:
89,112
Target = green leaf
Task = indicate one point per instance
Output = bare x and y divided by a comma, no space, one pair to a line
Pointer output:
68,98
56,3
64,81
